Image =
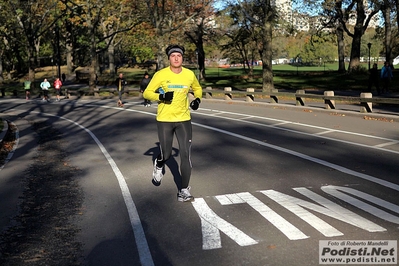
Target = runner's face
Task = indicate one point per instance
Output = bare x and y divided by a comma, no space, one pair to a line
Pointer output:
176,60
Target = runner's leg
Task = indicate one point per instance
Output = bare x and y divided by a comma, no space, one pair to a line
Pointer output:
165,136
184,136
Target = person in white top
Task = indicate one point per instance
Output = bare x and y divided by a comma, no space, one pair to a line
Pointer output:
45,85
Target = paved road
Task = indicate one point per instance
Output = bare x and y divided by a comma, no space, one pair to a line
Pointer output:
270,181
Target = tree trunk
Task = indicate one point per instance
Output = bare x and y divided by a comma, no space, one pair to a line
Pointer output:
69,44
69,58
341,48
93,64
201,63
17,50
111,51
386,12
266,54
201,57
111,58
355,51
32,62
160,54
358,32
1,68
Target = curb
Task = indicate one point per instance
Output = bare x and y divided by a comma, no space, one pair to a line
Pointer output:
4,131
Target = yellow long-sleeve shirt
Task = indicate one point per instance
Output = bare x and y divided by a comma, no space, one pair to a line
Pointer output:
181,84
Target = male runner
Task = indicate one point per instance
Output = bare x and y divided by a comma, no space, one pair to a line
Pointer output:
170,86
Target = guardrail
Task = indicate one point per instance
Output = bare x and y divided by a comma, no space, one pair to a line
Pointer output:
82,76
365,99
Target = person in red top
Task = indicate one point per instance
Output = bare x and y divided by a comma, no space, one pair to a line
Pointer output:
57,85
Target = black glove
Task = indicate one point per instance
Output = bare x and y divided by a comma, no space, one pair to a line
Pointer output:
195,103
168,96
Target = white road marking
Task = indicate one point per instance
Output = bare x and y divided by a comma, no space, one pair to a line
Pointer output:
325,132
319,135
212,224
334,191
141,241
280,124
305,157
343,214
386,144
247,117
294,205
330,209
229,199
274,218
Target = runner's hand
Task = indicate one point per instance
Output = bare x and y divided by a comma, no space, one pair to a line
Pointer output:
168,96
195,103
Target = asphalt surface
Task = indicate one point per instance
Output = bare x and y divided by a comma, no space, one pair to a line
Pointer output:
253,162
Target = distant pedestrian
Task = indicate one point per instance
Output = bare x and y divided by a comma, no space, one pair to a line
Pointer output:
386,76
63,77
374,78
143,85
27,88
120,83
45,85
57,86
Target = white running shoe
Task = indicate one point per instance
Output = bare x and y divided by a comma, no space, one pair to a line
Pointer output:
157,174
184,195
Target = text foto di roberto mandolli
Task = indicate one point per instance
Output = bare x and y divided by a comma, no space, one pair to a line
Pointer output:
358,252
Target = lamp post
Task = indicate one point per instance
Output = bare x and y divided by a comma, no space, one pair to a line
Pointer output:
52,66
198,70
369,46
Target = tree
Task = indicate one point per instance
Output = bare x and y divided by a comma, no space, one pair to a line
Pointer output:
199,27
241,39
8,55
119,20
330,20
386,9
167,17
32,19
357,9
104,19
262,15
